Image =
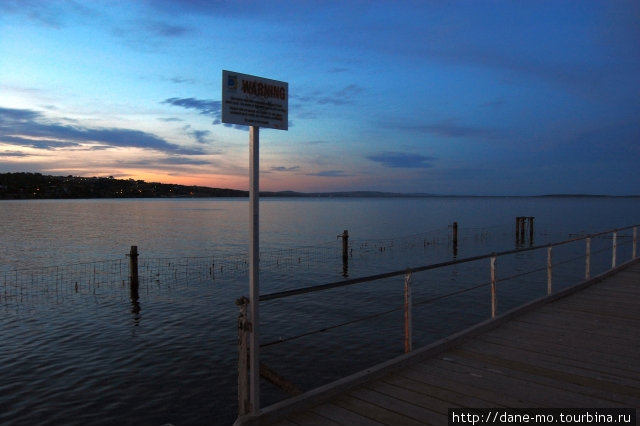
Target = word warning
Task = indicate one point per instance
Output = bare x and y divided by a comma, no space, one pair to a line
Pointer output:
254,101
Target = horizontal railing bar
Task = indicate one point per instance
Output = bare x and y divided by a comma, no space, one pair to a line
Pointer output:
360,280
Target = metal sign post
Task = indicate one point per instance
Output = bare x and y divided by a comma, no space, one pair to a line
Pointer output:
256,102
254,275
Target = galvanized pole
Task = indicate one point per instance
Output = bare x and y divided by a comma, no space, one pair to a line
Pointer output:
254,281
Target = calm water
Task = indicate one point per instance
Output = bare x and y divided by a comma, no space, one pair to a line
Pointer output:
78,351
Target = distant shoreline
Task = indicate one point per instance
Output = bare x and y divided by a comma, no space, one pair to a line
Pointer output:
36,186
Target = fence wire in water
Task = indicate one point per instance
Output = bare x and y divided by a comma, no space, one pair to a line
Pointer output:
111,277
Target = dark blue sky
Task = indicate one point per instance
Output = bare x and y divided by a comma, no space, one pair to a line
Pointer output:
462,97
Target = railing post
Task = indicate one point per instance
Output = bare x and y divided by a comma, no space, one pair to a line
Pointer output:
408,338
549,270
635,242
587,271
494,296
244,326
614,249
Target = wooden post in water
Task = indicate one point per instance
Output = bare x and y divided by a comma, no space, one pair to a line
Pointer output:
635,242
133,267
243,361
345,245
549,270
408,339
587,272
614,249
345,252
455,239
494,295
531,229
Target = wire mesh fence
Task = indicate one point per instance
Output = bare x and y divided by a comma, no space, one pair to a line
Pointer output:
112,277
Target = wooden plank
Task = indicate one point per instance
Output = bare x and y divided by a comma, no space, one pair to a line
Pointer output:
310,418
565,332
561,360
550,345
286,422
437,409
559,373
564,355
422,388
602,305
431,409
552,382
535,394
343,416
438,378
404,408
373,410
616,335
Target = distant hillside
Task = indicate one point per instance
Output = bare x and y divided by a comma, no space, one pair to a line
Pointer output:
39,186
36,186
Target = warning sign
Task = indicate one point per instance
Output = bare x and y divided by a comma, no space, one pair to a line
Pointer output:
254,101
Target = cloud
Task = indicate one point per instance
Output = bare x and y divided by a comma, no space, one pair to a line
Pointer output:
164,29
344,96
176,159
181,80
13,154
330,173
403,160
200,136
207,107
284,169
448,129
31,128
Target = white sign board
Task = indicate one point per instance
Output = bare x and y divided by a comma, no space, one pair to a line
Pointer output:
254,101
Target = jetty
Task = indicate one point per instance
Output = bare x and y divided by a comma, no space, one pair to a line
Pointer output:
578,347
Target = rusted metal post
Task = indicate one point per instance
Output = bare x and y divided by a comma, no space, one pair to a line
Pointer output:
614,249
549,270
133,267
494,296
244,326
408,339
587,272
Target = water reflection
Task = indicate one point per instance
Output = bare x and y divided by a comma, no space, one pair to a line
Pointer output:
135,303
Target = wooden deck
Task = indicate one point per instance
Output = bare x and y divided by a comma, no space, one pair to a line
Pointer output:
575,349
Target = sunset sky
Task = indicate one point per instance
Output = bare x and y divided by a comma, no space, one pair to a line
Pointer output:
457,97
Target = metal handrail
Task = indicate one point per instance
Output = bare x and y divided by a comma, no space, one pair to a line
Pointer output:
244,386
353,281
